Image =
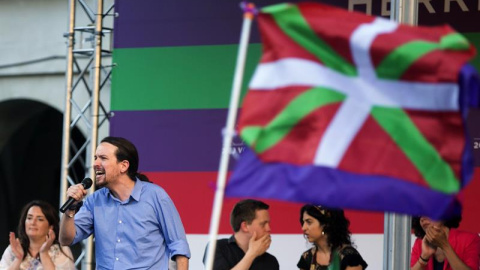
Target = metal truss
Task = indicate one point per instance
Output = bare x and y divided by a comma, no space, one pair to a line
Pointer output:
87,73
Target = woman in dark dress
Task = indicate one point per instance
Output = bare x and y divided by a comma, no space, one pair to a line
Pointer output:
327,229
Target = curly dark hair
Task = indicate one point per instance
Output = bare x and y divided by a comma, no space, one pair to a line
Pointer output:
334,221
50,214
453,222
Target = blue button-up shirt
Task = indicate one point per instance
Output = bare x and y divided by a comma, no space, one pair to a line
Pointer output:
142,232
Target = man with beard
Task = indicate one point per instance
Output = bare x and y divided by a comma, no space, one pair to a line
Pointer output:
135,223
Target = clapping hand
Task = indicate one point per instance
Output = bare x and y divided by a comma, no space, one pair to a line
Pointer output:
49,238
437,236
427,248
16,247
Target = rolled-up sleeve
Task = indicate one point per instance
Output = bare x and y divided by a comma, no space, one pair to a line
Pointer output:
171,226
84,221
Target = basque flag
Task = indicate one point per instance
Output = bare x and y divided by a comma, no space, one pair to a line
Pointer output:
353,111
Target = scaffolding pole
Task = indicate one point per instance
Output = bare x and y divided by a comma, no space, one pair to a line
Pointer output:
397,228
85,77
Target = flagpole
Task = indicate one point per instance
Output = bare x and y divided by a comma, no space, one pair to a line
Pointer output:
397,227
249,12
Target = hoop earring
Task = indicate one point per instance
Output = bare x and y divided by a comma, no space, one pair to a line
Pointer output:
323,232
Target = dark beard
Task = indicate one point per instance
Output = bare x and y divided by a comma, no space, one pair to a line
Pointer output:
103,184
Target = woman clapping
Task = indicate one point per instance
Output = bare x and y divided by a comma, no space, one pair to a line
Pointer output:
37,247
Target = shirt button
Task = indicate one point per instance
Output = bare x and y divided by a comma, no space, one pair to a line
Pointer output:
118,240
116,259
119,221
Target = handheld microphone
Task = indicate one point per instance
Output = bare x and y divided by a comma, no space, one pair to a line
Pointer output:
86,183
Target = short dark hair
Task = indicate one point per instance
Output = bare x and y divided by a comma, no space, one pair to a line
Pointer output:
453,222
334,223
127,151
245,210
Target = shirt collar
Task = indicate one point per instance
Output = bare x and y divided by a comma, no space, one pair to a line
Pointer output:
232,239
136,192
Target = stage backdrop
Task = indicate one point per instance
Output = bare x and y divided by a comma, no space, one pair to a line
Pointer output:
170,91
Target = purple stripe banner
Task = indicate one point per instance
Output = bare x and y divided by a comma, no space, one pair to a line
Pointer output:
473,123
175,140
325,186
154,23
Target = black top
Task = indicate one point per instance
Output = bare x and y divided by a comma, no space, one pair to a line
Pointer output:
349,256
228,254
437,265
